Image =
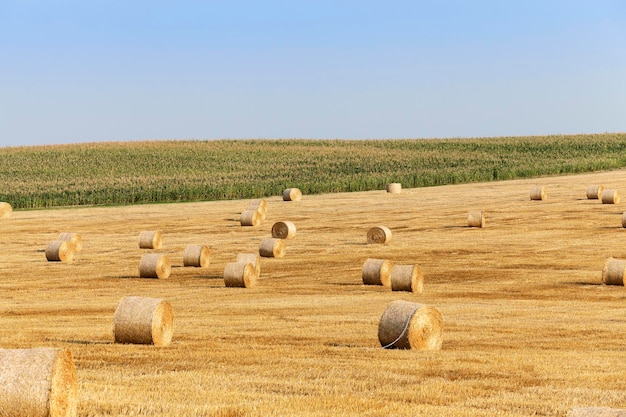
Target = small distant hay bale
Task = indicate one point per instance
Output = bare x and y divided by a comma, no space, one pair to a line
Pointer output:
38,382
407,325
379,234
240,274
60,251
143,321
407,278
394,188
74,238
272,248
283,230
292,194
5,209
150,240
198,256
252,258
594,192
596,412
624,219
377,272
250,218
538,192
155,265
610,197
259,205
613,272
476,218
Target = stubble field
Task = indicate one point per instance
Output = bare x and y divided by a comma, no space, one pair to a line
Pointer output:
528,327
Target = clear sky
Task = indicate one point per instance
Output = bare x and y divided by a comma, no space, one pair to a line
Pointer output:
108,70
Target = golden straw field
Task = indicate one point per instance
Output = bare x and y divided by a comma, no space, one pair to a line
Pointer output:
529,329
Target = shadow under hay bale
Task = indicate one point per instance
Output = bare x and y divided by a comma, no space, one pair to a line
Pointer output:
378,235
407,278
239,274
198,256
538,192
38,382
376,272
613,272
594,192
407,325
292,194
60,251
74,238
283,230
150,240
144,321
476,218
155,265
272,248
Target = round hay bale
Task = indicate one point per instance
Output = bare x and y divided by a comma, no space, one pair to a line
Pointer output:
143,321
594,192
272,248
38,382
5,209
476,218
613,272
379,234
394,188
377,272
624,219
251,258
407,278
283,230
407,325
259,205
239,274
538,192
197,256
250,218
292,194
150,240
610,197
74,238
60,251
155,265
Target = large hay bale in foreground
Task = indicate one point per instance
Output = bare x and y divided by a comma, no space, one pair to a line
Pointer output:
407,325
394,188
74,238
379,235
292,194
610,197
272,248
476,218
144,321
250,218
407,278
596,412
251,258
613,272
594,192
376,272
37,382
538,192
240,274
283,230
198,256
155,265
5,209
60,251
150,239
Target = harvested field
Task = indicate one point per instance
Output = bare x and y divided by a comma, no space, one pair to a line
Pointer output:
529,329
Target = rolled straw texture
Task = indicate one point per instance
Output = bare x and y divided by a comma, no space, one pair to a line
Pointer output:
613,272
596,412
150,240
538,192
377,272
251,258
379,234
594,192
394,188
5,209
272,248
476,218
259,205
610,197
155,265
292,194
60,251
38,382
198,256
250,218
407,278
144,321
283,230
407,325
239,274
74,238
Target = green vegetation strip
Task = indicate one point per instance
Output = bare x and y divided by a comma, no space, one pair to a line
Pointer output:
170,171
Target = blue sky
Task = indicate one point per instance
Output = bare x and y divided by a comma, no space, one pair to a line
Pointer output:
85,71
